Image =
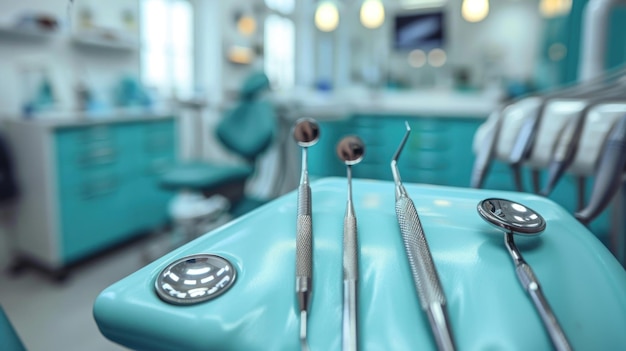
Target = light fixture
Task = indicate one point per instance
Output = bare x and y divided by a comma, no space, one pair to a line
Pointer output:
326,16
372,14
475,10
240,54
437,57
554,8
417,58
246,25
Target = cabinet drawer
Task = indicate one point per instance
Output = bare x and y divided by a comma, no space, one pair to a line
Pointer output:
91,216
426,160
429,125
427,177
430,141
368,121
87,146
158,136
76,139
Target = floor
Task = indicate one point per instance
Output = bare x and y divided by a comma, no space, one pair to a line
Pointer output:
58,316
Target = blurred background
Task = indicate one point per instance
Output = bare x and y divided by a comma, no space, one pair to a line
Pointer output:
101,101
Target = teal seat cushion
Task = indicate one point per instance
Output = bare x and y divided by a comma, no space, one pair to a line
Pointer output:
204,176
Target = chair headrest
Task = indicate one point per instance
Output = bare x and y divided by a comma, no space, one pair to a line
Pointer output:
254,84
248,129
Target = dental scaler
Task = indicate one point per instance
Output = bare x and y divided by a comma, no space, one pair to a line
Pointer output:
350,150
306,133
429,290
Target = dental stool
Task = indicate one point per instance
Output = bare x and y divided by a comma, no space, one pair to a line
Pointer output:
212,191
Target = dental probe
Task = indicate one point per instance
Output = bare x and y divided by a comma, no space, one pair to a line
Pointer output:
429,290
350,150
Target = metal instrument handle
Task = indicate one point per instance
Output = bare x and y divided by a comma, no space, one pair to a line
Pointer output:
350,316
350,281
304,235
350,249
427,284
530,283
420,260
559,340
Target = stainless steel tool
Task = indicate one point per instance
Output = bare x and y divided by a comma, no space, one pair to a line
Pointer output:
195,279
515,218
429,290
306,132
350,150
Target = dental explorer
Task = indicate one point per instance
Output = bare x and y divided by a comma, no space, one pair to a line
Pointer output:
306,133
350,150
431,296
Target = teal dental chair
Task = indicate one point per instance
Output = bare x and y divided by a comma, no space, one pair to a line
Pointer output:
248,129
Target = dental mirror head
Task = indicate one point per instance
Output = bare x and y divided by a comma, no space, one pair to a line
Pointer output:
351,150
194,279
511,216
306,132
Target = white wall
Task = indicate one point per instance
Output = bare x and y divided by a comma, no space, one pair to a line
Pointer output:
65,62
508,40
512,31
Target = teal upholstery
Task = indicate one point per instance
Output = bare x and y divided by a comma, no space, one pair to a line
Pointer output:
488,308
200,176
8,337
253,85
247,130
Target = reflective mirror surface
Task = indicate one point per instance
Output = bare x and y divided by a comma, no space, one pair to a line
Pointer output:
351,150
194,279
511,216
306,132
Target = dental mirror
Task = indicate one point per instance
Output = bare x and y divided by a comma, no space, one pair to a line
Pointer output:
512,217
351,150
194,279
515,218
306,132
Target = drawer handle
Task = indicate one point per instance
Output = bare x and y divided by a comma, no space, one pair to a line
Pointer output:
96,134
98,156
99,188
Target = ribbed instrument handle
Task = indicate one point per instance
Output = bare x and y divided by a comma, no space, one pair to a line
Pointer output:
420,260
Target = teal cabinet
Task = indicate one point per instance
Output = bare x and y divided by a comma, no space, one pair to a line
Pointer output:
88,186
438,150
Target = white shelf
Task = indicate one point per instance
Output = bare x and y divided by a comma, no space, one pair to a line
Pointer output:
26,33
105,38
104,43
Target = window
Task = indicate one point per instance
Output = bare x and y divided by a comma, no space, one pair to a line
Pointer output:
279,54
279,40
167,63
283,6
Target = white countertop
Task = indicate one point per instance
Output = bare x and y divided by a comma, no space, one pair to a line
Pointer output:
77,118
430,103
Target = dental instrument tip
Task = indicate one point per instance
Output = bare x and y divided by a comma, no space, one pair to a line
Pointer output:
303,330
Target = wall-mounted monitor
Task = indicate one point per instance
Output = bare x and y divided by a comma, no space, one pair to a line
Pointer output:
420,30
